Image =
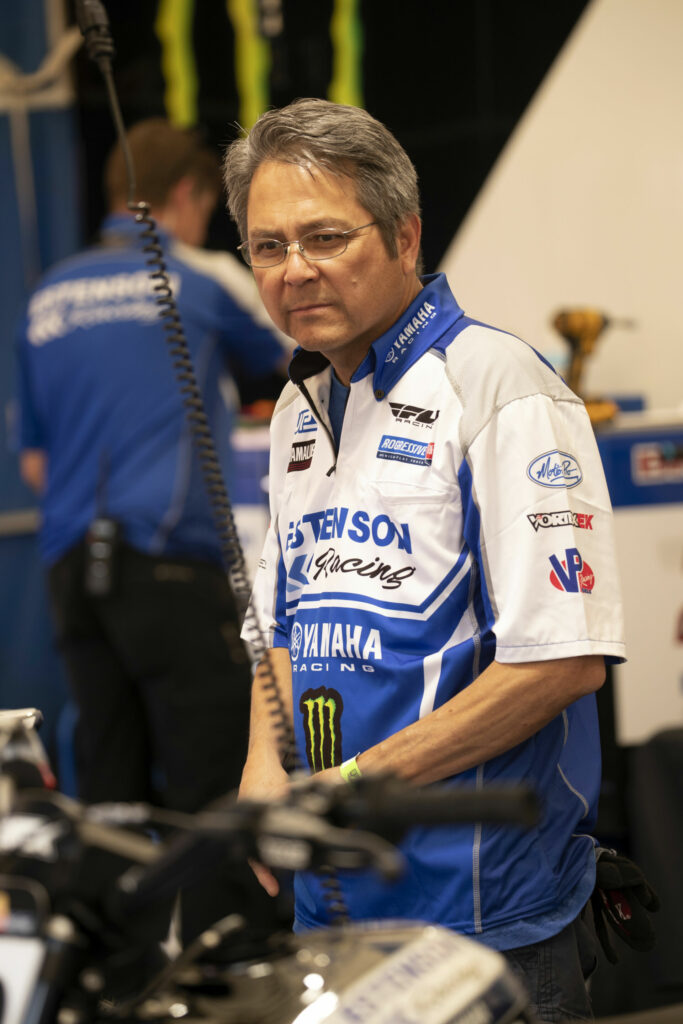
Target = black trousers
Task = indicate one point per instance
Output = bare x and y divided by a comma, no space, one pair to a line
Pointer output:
162,685
160,678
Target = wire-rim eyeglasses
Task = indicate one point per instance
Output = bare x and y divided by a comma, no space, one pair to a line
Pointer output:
321,244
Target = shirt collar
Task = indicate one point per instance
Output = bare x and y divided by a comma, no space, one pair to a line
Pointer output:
125,225
433,312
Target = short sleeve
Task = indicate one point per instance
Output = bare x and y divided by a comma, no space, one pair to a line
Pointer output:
545,533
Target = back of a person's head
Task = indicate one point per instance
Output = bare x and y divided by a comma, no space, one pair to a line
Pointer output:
162,155
340,139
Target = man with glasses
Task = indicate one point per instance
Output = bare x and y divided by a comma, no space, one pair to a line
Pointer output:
438,584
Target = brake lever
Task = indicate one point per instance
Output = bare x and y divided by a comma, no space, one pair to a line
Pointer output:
295,839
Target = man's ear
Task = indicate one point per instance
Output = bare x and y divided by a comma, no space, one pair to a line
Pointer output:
408,242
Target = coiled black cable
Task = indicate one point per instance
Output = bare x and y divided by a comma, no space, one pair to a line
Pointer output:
94,24
224,520
232,552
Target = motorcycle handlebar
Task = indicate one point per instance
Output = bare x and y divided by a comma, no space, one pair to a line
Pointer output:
399,806
346,826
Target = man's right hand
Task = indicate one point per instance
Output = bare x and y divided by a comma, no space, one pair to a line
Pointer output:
259,783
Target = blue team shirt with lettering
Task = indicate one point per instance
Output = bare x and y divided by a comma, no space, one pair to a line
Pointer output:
98,393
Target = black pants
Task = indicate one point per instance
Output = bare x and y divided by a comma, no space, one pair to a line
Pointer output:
555,971
159,676
162,685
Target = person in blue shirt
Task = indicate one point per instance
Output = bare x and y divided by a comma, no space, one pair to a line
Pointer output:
438,586
155,663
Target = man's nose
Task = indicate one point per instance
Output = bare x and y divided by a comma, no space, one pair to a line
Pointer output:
297,267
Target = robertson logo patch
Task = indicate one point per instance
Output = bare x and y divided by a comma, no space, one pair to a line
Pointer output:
404,449
300,456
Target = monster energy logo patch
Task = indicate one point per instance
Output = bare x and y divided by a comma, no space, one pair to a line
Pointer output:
321,710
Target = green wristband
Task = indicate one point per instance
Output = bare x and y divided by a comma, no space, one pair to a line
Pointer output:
349,769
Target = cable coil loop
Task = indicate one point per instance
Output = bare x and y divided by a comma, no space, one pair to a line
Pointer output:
232,552
230,545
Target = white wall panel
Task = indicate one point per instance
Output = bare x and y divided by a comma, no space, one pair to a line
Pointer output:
585,204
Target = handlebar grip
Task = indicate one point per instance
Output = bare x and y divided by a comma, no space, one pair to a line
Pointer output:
402,809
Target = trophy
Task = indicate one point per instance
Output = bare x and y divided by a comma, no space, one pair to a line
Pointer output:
581,329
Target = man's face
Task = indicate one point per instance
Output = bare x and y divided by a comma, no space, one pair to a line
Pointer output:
337,306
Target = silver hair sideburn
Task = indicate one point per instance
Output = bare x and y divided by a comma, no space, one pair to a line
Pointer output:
341,139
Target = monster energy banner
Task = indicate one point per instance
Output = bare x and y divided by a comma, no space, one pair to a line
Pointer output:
261,63
229,60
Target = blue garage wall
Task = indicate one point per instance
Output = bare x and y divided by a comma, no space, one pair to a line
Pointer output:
30,671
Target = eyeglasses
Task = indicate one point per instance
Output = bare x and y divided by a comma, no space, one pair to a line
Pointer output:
321,244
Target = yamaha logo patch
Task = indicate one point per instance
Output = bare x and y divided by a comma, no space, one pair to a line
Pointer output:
300,456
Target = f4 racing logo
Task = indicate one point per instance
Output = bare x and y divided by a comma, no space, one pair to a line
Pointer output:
413,414
572,574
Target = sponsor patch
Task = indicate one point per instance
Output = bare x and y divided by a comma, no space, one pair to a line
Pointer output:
335,640
300,456
545,520
358,526
571,573
306,423
404,449
555,469
414,414
321,711
409,331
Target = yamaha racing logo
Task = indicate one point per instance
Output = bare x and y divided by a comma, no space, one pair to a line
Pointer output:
410,330
334,640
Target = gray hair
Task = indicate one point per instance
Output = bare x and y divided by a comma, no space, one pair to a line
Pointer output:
344,140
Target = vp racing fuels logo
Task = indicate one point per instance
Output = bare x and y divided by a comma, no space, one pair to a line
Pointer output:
414,415
555,469
409,331
321,711
404,449
545,520
301,455
572,574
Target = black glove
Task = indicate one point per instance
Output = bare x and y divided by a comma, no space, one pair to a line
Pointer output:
621,898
